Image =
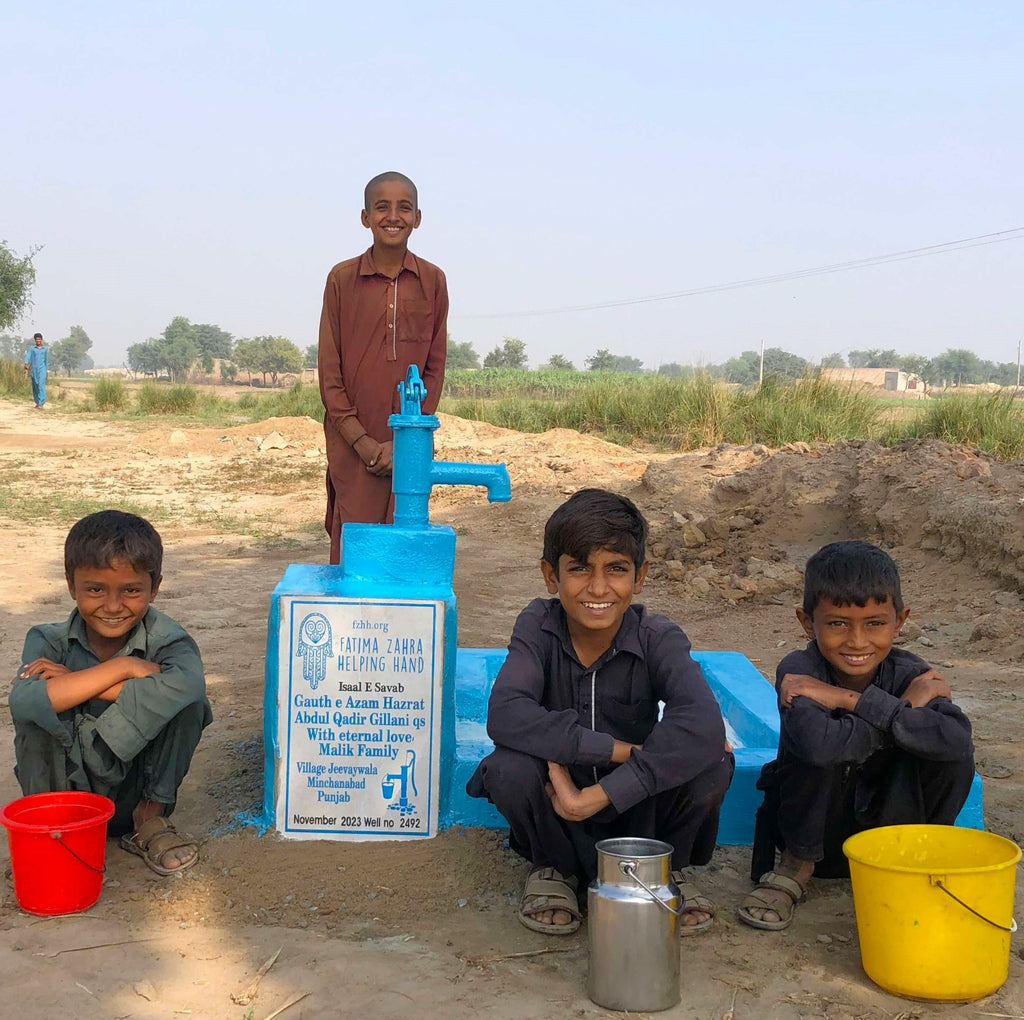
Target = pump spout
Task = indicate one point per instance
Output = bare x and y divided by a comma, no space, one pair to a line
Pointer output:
494,477
415,472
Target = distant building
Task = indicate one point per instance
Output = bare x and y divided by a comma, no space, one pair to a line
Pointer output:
891,379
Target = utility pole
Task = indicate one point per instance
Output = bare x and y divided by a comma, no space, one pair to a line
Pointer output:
1018,364
760,371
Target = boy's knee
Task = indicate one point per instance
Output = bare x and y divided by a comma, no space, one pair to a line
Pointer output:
508,773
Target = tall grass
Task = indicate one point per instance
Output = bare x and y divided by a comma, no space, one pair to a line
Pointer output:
993,422
299,400
14,380
110,394
155,399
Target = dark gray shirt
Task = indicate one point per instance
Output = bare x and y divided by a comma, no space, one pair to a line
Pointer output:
819,736
547,704
95,730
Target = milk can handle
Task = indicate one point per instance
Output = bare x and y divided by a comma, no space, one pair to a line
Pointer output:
938,880
628,868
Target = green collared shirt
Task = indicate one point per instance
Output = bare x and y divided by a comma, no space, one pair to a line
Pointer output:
102,737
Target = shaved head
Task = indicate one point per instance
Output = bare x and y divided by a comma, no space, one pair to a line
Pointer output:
390,175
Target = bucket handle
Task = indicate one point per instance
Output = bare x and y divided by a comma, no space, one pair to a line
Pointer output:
57,836
938,880
628,868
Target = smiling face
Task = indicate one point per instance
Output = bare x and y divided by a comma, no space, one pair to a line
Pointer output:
595,595
854,639
391,215
111,601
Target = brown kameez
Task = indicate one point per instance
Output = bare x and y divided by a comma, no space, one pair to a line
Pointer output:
371,330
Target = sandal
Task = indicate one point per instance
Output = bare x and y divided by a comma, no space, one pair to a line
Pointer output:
754,900
549,891
694,899
155,838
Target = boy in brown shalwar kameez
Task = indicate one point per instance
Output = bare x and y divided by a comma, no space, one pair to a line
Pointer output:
383,311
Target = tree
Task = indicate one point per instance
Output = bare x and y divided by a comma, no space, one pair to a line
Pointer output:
247,357
561,363
511,354
309,359
915,364
178,348
72,352
462,356
833,361
672,369
144,357
213,343
873,358
956,366
602,361
277,356
12,348
743,370
782,363
17,278
624,363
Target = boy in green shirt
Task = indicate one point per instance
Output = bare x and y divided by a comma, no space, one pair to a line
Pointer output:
113,699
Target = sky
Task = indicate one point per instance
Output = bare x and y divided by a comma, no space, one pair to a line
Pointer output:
208,160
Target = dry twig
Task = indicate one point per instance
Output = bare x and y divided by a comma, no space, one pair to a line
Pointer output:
280,1009
481,960
248,993
99,945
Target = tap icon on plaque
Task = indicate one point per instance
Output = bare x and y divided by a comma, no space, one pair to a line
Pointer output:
401,782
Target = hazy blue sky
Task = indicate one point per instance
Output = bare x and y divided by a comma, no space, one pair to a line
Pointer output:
208,160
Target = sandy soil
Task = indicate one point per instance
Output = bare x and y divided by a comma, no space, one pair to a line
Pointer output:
382,930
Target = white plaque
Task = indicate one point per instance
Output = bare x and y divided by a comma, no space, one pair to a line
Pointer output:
359,717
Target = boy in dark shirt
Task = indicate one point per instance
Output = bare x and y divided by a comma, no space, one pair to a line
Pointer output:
113,699
869,735
580,753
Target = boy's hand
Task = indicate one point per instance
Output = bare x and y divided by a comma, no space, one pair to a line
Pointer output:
137,667
621,751
44,668
570,802
381,464
368,449
800,685
925,688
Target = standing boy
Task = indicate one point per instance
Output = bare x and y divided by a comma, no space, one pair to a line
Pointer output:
869,735
113,699
383,311
581,754
37,360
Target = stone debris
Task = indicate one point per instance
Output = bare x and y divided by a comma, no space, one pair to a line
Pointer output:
275,441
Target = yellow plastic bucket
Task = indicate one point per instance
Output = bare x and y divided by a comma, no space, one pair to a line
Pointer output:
934,907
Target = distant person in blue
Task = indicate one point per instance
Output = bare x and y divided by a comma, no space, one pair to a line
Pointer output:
36,364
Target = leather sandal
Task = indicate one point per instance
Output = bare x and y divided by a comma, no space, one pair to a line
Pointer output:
547,889
754,900
154,839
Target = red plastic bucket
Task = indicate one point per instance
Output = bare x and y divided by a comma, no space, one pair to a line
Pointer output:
57,843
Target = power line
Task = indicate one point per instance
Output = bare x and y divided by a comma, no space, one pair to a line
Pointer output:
998,237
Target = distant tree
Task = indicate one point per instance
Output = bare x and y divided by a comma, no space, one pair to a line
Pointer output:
247,357
874,358
833,361
915,364
782,363
624,363
462,356
673,370
309,359
743,370
228,371
144,357
12,348
511,354
277,356
178,348
602,361
213,343
956,366
560,362
71,353
17,278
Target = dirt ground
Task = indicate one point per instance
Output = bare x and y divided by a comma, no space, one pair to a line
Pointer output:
384,930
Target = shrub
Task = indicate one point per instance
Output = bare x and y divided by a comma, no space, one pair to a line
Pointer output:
110,393
156,399
992,422
14,380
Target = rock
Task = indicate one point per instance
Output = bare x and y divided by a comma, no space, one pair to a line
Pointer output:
992,627
714,527
747,584
275,441
699,585
993,769
311,453
1006,599
705,570
974,469
711,552
679,518
674,570
926,641
693,536
825,940
736,594
911,631
740,523
177,438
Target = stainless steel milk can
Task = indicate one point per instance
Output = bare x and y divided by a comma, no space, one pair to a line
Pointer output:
634,909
